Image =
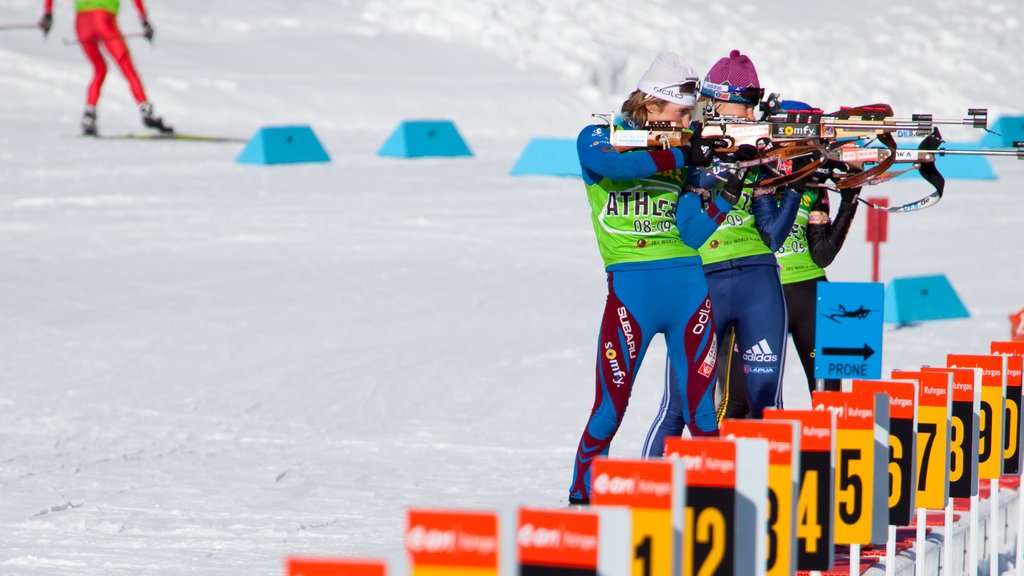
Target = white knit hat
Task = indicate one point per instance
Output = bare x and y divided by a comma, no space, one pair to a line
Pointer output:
671,79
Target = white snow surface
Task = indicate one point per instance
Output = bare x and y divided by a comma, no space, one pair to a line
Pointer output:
206,367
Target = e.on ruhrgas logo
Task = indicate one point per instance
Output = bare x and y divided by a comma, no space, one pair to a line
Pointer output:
452,539
709,462
557,538
634,483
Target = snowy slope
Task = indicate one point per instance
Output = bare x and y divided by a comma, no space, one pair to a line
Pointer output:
209,366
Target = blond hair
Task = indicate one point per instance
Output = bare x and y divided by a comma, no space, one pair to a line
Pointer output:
634,109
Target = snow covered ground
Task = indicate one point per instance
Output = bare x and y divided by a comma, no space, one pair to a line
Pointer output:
205,367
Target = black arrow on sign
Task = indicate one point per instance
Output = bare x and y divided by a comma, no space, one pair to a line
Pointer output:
865,351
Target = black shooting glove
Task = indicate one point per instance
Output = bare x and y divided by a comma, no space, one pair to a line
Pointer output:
147,31
699,152
744,152
46,22
732,189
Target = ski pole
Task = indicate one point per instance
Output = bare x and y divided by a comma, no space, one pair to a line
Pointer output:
74,41
19,26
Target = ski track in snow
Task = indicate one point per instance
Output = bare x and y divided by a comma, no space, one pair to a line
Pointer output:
207,366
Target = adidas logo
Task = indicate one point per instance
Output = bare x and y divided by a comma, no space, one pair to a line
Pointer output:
760,352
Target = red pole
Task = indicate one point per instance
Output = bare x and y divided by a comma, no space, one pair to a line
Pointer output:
875,250
877,232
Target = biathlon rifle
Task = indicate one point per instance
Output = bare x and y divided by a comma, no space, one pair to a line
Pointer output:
655,135
921,159
782,136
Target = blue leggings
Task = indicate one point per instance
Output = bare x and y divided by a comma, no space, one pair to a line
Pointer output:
749,300
643,302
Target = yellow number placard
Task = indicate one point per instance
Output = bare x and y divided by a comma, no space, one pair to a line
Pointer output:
854,486
933,457
651,489
652,541
990,425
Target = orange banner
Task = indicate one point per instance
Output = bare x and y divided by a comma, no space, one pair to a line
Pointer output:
815,427
901,395
633,483
778,434
932,387
708,461
456,539
298,566
557,538
853,410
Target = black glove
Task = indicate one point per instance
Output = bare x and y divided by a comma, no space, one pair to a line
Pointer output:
147,31
850,195
745,152
732,189
46,22
699,151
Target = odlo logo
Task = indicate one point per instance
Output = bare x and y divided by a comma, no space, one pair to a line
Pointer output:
703,317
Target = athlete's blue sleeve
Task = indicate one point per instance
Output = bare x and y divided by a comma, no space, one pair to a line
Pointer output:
599,159
775,219
696,225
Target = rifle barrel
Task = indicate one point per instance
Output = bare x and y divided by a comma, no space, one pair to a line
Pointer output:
1019,153
19,26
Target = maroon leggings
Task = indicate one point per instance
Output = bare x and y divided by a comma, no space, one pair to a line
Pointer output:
99,26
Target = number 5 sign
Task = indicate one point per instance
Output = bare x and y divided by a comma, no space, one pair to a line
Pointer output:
862,440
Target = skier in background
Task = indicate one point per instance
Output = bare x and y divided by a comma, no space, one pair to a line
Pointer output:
739,260
96,23
648,231
812,244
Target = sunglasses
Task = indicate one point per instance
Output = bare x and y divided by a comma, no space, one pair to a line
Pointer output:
740,94
687,87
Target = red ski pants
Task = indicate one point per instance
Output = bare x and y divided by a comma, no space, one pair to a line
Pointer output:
95,27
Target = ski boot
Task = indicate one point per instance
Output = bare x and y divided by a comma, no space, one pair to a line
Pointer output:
149,120
89,122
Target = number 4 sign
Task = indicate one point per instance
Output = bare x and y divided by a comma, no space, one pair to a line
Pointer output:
814,527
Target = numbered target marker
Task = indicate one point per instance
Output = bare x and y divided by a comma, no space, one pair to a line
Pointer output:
783,439
1014,352
300,566
814,529
933,431
903,468
653,490
990,427
862,440
964,417
573,543
447,542
725,521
